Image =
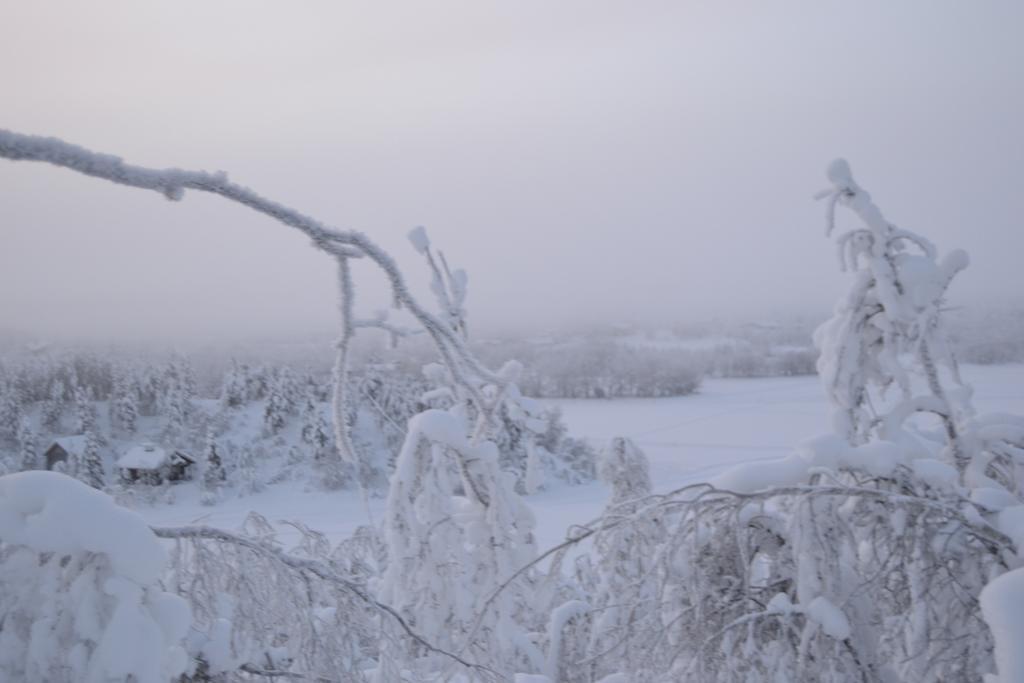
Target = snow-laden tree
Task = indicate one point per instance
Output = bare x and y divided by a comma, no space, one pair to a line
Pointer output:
565,457
80,596
316,433
27,447
454,534
90,468
455,529
186,377
53,407
247,471
11,410
276,410
257,382
125,402
85,410
233,390
885,357
889,325
620,591
177,408
213,470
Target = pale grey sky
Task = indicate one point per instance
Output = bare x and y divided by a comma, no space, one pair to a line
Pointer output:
583,160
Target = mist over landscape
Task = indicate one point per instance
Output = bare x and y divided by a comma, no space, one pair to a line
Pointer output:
586,163
533,342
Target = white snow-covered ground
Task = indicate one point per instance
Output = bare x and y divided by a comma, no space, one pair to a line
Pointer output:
687,439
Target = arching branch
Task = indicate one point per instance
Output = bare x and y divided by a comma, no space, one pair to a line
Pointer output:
319,569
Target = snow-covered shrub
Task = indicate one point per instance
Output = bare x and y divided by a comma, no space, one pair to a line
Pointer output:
79,592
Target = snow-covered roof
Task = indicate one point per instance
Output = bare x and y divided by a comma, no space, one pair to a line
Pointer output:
183,457
145,456
71,444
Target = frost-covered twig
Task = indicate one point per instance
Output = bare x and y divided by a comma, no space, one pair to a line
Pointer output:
270,673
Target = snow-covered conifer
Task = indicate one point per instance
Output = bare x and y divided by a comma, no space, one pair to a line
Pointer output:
316,433
186,378
247,471
257,384
27,446
53,407
233,388
90,468
213,470
276,410
10,412
178,409
85,410
125,403
128,412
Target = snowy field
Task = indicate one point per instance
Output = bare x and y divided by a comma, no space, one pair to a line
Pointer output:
687,439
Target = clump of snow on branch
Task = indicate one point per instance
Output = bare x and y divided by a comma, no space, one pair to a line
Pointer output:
1002,603
79,590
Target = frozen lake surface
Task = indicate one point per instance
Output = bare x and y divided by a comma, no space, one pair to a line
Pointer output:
687,439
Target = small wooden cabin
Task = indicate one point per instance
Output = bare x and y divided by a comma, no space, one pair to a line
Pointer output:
63,448
152,464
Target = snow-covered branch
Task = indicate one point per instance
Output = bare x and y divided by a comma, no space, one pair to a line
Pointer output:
211,566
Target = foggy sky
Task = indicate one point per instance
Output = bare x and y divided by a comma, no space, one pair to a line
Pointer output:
585,161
